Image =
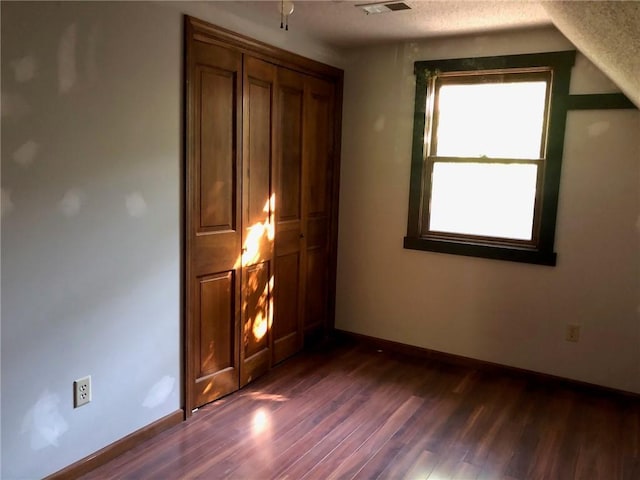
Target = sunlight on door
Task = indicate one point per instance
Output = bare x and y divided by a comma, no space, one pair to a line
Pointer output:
259,310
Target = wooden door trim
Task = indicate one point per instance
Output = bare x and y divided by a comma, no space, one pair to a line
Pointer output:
189,139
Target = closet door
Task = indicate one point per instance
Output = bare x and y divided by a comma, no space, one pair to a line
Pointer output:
317,168
289,278
257,218
214,87
259,233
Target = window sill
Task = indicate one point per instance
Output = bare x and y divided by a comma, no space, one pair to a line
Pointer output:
511,254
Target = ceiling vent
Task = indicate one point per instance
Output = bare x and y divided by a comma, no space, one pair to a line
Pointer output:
383,7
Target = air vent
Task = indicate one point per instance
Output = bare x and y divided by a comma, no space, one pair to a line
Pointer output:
383,7
394,7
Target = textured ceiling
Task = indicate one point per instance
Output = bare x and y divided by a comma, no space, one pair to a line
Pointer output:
340,24
607,32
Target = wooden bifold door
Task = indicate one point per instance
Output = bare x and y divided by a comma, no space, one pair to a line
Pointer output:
261,187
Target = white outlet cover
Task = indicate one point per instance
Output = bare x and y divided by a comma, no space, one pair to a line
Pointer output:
82,391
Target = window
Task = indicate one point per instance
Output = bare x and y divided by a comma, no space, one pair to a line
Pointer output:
487,152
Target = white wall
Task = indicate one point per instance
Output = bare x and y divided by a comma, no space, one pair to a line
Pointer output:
91,202
504,312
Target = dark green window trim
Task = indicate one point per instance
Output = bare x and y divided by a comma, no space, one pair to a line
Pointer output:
600,101
543,252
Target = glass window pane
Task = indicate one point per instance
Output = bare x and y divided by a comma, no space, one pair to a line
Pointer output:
498,120
488,199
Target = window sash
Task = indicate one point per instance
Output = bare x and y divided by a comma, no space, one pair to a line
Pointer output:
434,82
427,233
516,75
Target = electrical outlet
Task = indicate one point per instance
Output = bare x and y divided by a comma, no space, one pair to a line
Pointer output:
573,333
81,391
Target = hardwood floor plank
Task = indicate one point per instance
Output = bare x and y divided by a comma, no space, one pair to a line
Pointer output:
304,407
356,413
631,469
243,463
354,463
448,463
255,429
339,443
300,445
422,466
421,432
378,463
466,471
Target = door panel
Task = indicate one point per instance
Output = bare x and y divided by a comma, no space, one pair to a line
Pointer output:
257,217
258,160
289,284
318,161
286,326
316,296
216,373
256,308
216,186
213,237
216,329
319,154
290,98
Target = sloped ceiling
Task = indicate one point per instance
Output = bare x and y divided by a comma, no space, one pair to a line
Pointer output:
608,33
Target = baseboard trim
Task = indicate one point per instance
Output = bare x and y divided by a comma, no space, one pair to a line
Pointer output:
117,448
452,359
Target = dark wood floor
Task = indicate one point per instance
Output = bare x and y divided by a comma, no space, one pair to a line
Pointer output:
354,412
